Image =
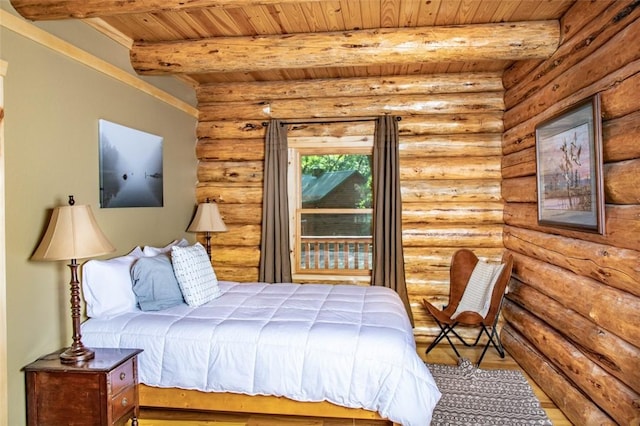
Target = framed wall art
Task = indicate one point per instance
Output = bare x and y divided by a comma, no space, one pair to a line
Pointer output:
569,168
130,167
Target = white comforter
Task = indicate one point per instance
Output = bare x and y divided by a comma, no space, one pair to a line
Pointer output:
350,345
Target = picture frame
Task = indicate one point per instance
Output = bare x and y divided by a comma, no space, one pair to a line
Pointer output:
131,172
569,168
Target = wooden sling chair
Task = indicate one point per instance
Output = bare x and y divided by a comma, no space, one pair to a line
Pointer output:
475,300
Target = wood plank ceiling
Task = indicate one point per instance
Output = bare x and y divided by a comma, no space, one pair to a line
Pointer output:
219,41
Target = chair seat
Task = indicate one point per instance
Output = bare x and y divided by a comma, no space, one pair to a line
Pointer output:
464,318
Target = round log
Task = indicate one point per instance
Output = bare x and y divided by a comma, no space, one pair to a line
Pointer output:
471,145
519,164
231,171
450,191
579,409
621,185
445,124
523,132
616,267
337,129
362,106
607,350
452,236
621,99
233,273
517,139
620,138
380,46
243,235
227,256
481,213
340,87
520,190
230,149
448,168
227,193
592,36
622,228
241,214
622,182
248,129
604,305
612,396
596,69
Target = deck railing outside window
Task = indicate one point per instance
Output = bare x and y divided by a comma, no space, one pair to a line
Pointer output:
336,253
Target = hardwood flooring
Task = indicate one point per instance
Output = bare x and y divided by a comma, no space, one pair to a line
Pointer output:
442,354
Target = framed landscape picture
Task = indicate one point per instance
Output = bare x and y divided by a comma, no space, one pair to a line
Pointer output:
130,167
569,168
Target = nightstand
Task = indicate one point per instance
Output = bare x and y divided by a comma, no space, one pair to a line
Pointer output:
99,392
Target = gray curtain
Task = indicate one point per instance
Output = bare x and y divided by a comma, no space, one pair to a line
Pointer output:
388,257
275,263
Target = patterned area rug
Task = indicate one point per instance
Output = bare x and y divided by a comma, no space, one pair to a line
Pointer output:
471,396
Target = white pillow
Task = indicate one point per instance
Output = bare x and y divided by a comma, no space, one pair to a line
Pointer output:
195,275
106,285
154,251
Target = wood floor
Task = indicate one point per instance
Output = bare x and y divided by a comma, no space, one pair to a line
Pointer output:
442,354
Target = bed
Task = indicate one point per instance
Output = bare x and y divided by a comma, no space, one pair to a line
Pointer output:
313,349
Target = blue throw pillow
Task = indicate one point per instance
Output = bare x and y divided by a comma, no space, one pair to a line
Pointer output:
155,284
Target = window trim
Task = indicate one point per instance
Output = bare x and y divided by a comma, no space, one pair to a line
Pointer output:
296,149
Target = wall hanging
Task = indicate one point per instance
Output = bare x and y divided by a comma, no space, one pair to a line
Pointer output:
130,167
569,168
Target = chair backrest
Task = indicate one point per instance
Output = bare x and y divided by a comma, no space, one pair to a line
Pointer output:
463,263
499,289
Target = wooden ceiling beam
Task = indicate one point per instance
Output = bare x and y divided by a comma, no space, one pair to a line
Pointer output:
384,46
46,10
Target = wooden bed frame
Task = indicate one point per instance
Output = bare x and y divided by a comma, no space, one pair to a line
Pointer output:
193,400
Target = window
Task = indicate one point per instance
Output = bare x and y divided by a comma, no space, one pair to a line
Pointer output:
331,210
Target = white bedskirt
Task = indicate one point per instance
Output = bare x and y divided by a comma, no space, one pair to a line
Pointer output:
346,344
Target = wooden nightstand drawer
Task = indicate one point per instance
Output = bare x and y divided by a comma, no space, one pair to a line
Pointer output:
100,392
121,377
123,402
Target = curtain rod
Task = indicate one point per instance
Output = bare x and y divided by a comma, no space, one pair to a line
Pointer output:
320,121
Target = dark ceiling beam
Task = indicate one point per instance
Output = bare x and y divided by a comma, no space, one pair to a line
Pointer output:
383,46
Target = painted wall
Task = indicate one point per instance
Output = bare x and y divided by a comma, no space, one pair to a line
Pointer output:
52,107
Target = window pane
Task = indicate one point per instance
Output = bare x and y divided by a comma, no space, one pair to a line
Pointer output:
340,224
336,181
336,241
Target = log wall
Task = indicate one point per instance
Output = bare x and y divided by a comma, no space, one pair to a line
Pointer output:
573,312
450,160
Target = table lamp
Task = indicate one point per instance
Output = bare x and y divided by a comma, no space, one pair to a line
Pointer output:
72,234
207,220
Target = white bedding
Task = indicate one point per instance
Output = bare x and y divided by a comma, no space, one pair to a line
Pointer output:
349,345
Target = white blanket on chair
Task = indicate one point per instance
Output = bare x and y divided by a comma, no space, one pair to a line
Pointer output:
477,295
350,345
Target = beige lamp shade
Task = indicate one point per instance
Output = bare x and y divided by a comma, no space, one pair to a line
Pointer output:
73,233
207,219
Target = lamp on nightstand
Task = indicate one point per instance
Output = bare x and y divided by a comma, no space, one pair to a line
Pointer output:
207,220
72,234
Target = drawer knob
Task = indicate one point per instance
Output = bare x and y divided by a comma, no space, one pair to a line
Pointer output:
125,402
122,376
